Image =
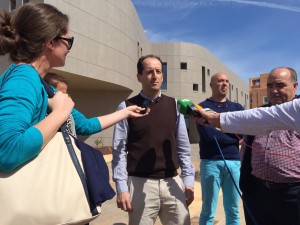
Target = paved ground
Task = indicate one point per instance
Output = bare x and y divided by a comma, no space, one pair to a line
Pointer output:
111,215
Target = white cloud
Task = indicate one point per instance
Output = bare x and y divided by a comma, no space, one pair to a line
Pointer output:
176,4
181,4
264,4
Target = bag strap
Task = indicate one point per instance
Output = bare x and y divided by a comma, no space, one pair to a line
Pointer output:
71,150
78,168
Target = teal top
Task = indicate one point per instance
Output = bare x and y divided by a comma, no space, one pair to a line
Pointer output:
23,103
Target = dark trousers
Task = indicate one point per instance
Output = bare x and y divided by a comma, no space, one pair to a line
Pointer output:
272,205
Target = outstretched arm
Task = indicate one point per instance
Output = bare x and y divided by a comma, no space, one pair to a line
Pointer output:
113,118
256,121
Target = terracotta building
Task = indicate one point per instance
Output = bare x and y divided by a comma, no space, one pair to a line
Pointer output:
258,90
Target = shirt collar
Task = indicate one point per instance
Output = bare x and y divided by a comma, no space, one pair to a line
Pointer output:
151,99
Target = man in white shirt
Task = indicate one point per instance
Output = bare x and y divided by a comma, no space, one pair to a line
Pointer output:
256,121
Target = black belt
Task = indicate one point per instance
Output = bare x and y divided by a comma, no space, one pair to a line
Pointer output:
276,186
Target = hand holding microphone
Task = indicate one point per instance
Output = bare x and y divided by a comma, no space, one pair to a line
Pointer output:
203,116
187,107
209,117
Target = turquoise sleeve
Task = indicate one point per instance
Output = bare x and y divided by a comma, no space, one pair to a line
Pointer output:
85,126
22,105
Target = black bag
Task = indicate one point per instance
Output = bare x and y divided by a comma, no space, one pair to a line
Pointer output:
97,173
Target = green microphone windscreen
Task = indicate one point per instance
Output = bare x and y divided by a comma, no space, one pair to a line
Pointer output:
187,107
183,105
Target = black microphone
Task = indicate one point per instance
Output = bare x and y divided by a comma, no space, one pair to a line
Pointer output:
145,105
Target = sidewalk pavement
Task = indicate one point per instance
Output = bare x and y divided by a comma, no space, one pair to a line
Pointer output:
111,215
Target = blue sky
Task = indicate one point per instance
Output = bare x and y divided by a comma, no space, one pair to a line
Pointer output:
250,37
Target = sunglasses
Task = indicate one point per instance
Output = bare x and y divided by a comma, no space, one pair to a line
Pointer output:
69,40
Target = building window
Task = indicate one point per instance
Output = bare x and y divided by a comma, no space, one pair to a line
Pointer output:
265,100
203,79
25,1
208,72
237,94
141,51
242,93
164,84
255,82
183,65
195,87
12,5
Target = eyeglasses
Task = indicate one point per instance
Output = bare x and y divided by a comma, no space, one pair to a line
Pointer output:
69,40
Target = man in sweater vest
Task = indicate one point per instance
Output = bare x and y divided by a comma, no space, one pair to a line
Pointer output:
147,153
213,172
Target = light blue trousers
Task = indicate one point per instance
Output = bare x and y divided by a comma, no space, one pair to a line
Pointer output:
213,176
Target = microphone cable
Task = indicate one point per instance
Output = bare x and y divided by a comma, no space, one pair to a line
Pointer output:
234,183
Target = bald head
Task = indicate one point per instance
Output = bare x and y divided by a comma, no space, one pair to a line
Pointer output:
219,84
281,85
216,76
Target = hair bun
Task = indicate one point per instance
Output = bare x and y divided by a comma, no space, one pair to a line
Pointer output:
8,35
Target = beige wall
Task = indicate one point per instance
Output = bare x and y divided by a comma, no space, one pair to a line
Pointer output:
4,63
101,67
180,82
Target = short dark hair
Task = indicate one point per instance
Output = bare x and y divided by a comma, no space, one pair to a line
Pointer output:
140,65
53,79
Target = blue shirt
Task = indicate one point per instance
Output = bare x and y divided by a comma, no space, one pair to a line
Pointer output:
23,103
119,152
229,143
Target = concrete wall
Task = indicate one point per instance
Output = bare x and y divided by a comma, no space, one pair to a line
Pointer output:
181,81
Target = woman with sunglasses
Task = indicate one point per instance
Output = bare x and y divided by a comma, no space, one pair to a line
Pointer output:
36,37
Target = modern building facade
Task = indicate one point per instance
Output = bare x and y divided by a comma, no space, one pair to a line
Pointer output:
258,90
101,67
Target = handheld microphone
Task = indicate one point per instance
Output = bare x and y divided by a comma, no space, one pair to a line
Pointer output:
145,105
187,107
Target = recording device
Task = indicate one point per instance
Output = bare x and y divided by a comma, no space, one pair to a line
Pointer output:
145,105
187,107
